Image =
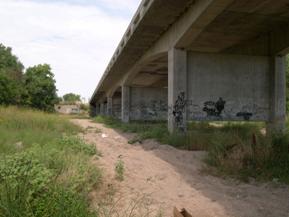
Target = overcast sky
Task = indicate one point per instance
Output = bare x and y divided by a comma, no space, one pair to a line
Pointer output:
76,37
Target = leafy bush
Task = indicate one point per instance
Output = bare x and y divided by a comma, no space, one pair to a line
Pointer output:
60,202
77,145
49,173
25,168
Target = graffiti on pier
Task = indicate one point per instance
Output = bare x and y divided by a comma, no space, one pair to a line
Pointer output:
214,108
178,111
245,115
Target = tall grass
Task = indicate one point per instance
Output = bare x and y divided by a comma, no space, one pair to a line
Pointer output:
27,127
238,149
45,169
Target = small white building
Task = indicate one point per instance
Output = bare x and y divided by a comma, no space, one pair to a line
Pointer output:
68,108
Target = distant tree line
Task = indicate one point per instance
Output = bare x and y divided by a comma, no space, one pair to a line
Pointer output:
34,87
71,98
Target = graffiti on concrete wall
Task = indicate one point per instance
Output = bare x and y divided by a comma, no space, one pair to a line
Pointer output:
214,108
224,109
178,111
116,110
245,115
252,110
149,110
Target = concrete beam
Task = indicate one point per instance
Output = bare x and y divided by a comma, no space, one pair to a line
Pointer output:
181,33
189,26
280,41
274,43
177,90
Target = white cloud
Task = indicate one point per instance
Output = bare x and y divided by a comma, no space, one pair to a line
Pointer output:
76,40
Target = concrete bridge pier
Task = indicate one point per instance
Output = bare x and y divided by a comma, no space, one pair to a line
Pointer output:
102,109
109,106
177,90
97,109
276,123
116,105
125,103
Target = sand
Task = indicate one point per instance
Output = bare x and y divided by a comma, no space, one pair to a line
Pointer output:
165,177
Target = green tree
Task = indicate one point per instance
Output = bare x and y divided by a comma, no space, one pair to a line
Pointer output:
11,73
40,87
71,97
9,91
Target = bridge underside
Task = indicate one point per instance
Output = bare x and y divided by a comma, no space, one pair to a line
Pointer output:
227,63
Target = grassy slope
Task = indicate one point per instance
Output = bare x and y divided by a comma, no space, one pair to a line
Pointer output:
235,149
29,127
44,169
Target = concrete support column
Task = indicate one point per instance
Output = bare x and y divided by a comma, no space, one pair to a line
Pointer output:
177,90
97,109
125,103
102,109
278,96
109,106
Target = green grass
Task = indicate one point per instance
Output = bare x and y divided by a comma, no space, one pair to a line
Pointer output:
236,149
119,170
29,127
145,130
45,169
199,137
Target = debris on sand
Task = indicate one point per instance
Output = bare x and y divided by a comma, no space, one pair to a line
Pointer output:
182,213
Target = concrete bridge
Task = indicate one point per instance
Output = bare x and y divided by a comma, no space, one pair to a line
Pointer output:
201,60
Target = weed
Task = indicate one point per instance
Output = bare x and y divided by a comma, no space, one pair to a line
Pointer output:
119,170
97,131
77,145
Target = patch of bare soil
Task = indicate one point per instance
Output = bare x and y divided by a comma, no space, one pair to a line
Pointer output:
169,177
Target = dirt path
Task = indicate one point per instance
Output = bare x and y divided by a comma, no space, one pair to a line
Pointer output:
171,177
